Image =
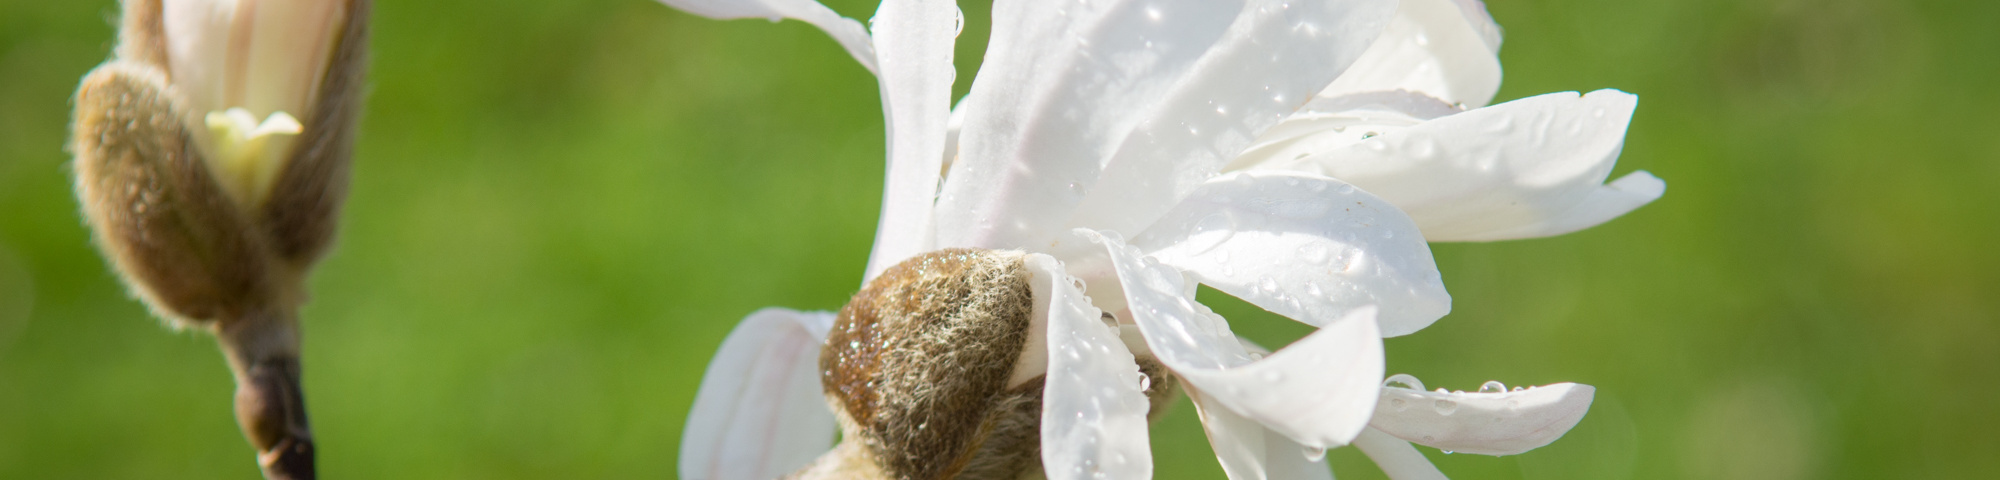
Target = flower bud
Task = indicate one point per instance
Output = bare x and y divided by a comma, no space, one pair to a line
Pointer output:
918,365
211,159
212,152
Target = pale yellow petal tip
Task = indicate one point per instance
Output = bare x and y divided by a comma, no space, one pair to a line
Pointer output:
246,155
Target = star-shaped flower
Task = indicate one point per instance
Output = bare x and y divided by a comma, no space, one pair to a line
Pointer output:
1293,154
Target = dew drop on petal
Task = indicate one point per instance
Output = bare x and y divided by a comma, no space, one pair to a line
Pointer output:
1408,381
1492,386
1315,454
1445,407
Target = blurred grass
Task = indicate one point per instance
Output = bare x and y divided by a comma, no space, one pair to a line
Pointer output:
560,208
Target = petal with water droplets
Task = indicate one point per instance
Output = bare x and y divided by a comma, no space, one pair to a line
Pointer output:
1432,47
1093,410
845,30
1248,451
759,413
1061,86
1304,246
1526,168
913,40
1495,423
1317,391
1272,59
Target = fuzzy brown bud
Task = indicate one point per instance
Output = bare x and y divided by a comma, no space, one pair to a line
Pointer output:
211,156
918,366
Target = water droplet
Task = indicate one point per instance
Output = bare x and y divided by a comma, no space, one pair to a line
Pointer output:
1312,288
1269,284
1315,454
1445,407
1145,382
1408,381
1346,189
1492,386
1398,404
776,19
1446,452
958,23
1517,389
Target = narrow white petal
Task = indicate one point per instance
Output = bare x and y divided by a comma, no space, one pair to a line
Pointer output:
1061,86
1431,47
1499,423
1248,451
913,39
1606,202
1332,123
1396,457
1093,409
197,40
1304,246
1317,391
845,30
1273,58
759,413
1496,173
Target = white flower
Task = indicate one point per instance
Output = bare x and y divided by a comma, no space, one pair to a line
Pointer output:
1224,140
250,70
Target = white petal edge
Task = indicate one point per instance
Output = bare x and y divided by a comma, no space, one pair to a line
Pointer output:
1304,246
1607,202
1431,47
1502,423
1496,173
1396,457
759,413
1093,410
1060,88
1274,57
1317,391
913,40
1331,123
845,30
1248,451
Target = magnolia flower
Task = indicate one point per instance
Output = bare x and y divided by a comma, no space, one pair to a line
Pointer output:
212,155
1211,135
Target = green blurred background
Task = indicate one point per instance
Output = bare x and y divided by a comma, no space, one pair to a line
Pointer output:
561,207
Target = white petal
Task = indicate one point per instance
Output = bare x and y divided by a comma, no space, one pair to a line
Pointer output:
1275,56
1248,451
759,413
1328,124
1481,21
1060,88
1317,391
845,30
1514,170
1502,423
1396,457
1432,47
1304,246
1606,202
1093,410
913,40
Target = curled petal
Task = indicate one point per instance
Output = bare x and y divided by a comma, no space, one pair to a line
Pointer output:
913,39
1515,170
1496,423
1093,408
1396,457
845,30
759,413
1317,391
1248,451
1304,246
1433,47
